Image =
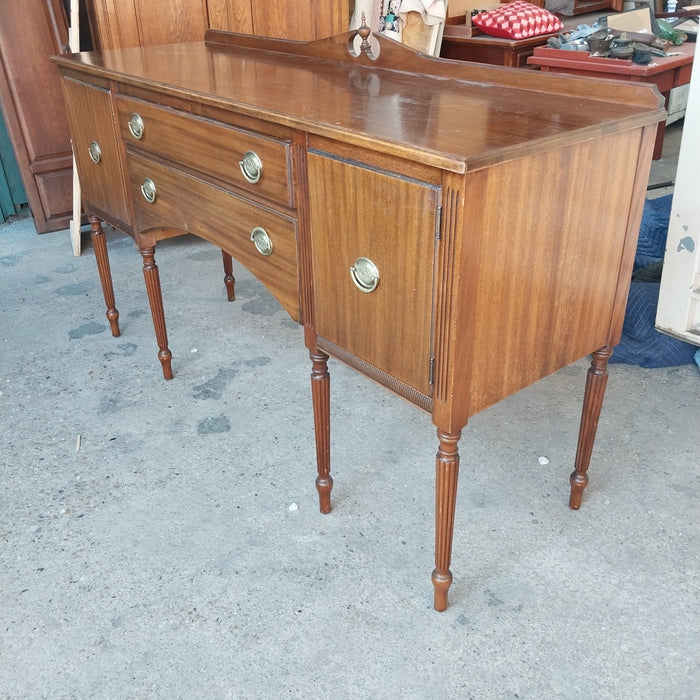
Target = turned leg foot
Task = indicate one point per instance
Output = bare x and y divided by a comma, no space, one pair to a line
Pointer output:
229,279
441,586
446,474
320,394
99,244
155,298
596,381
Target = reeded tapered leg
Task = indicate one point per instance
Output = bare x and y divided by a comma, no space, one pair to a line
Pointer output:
596,380
99,244
155,298
229,279
446,474
321,398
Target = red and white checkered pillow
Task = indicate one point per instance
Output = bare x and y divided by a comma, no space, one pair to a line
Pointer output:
517,20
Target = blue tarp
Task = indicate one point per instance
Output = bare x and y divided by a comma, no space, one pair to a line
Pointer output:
641,343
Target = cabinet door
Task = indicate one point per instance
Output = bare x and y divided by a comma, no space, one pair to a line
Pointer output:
97,151
367,222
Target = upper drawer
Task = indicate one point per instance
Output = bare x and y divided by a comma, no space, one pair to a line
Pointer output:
214,149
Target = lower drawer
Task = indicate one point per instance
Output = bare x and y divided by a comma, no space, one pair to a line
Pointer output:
263,240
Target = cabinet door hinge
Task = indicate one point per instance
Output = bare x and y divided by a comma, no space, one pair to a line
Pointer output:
438,223
431,371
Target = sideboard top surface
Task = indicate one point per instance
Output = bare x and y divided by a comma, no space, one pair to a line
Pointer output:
442,113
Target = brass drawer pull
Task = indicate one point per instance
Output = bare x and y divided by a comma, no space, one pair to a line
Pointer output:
95,152
251,167
365,275
136,126
148,190
261,240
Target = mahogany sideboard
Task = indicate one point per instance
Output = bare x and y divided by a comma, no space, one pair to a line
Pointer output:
428,222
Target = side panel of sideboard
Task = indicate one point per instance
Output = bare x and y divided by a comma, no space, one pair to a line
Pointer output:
547,266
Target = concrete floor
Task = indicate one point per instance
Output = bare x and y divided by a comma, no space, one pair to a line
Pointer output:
162,539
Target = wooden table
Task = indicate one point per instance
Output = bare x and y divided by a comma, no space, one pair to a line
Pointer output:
482,48
427,222
665,72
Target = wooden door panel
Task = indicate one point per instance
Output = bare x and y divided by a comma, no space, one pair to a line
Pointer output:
172,22
117,24
399,238
286,19
55,188
231,15
32,103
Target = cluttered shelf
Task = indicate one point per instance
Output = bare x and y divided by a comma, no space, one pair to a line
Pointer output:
634,45
510,41
631,46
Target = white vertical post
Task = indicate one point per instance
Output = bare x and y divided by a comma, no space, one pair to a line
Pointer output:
74,43
678,311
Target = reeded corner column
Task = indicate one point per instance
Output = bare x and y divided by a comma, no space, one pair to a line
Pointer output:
596,381
446,475
321,398
229,279
99,244
155,298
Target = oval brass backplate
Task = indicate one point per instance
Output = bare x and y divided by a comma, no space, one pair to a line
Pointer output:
136,126
251,167
148,190
261,240
365,275
95,152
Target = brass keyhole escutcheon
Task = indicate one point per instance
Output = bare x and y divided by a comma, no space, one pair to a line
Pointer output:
365,275
251,167
136,126
148,190
261,240
95,152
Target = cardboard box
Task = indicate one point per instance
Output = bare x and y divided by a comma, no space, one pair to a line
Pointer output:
460,8
635,21
458,23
